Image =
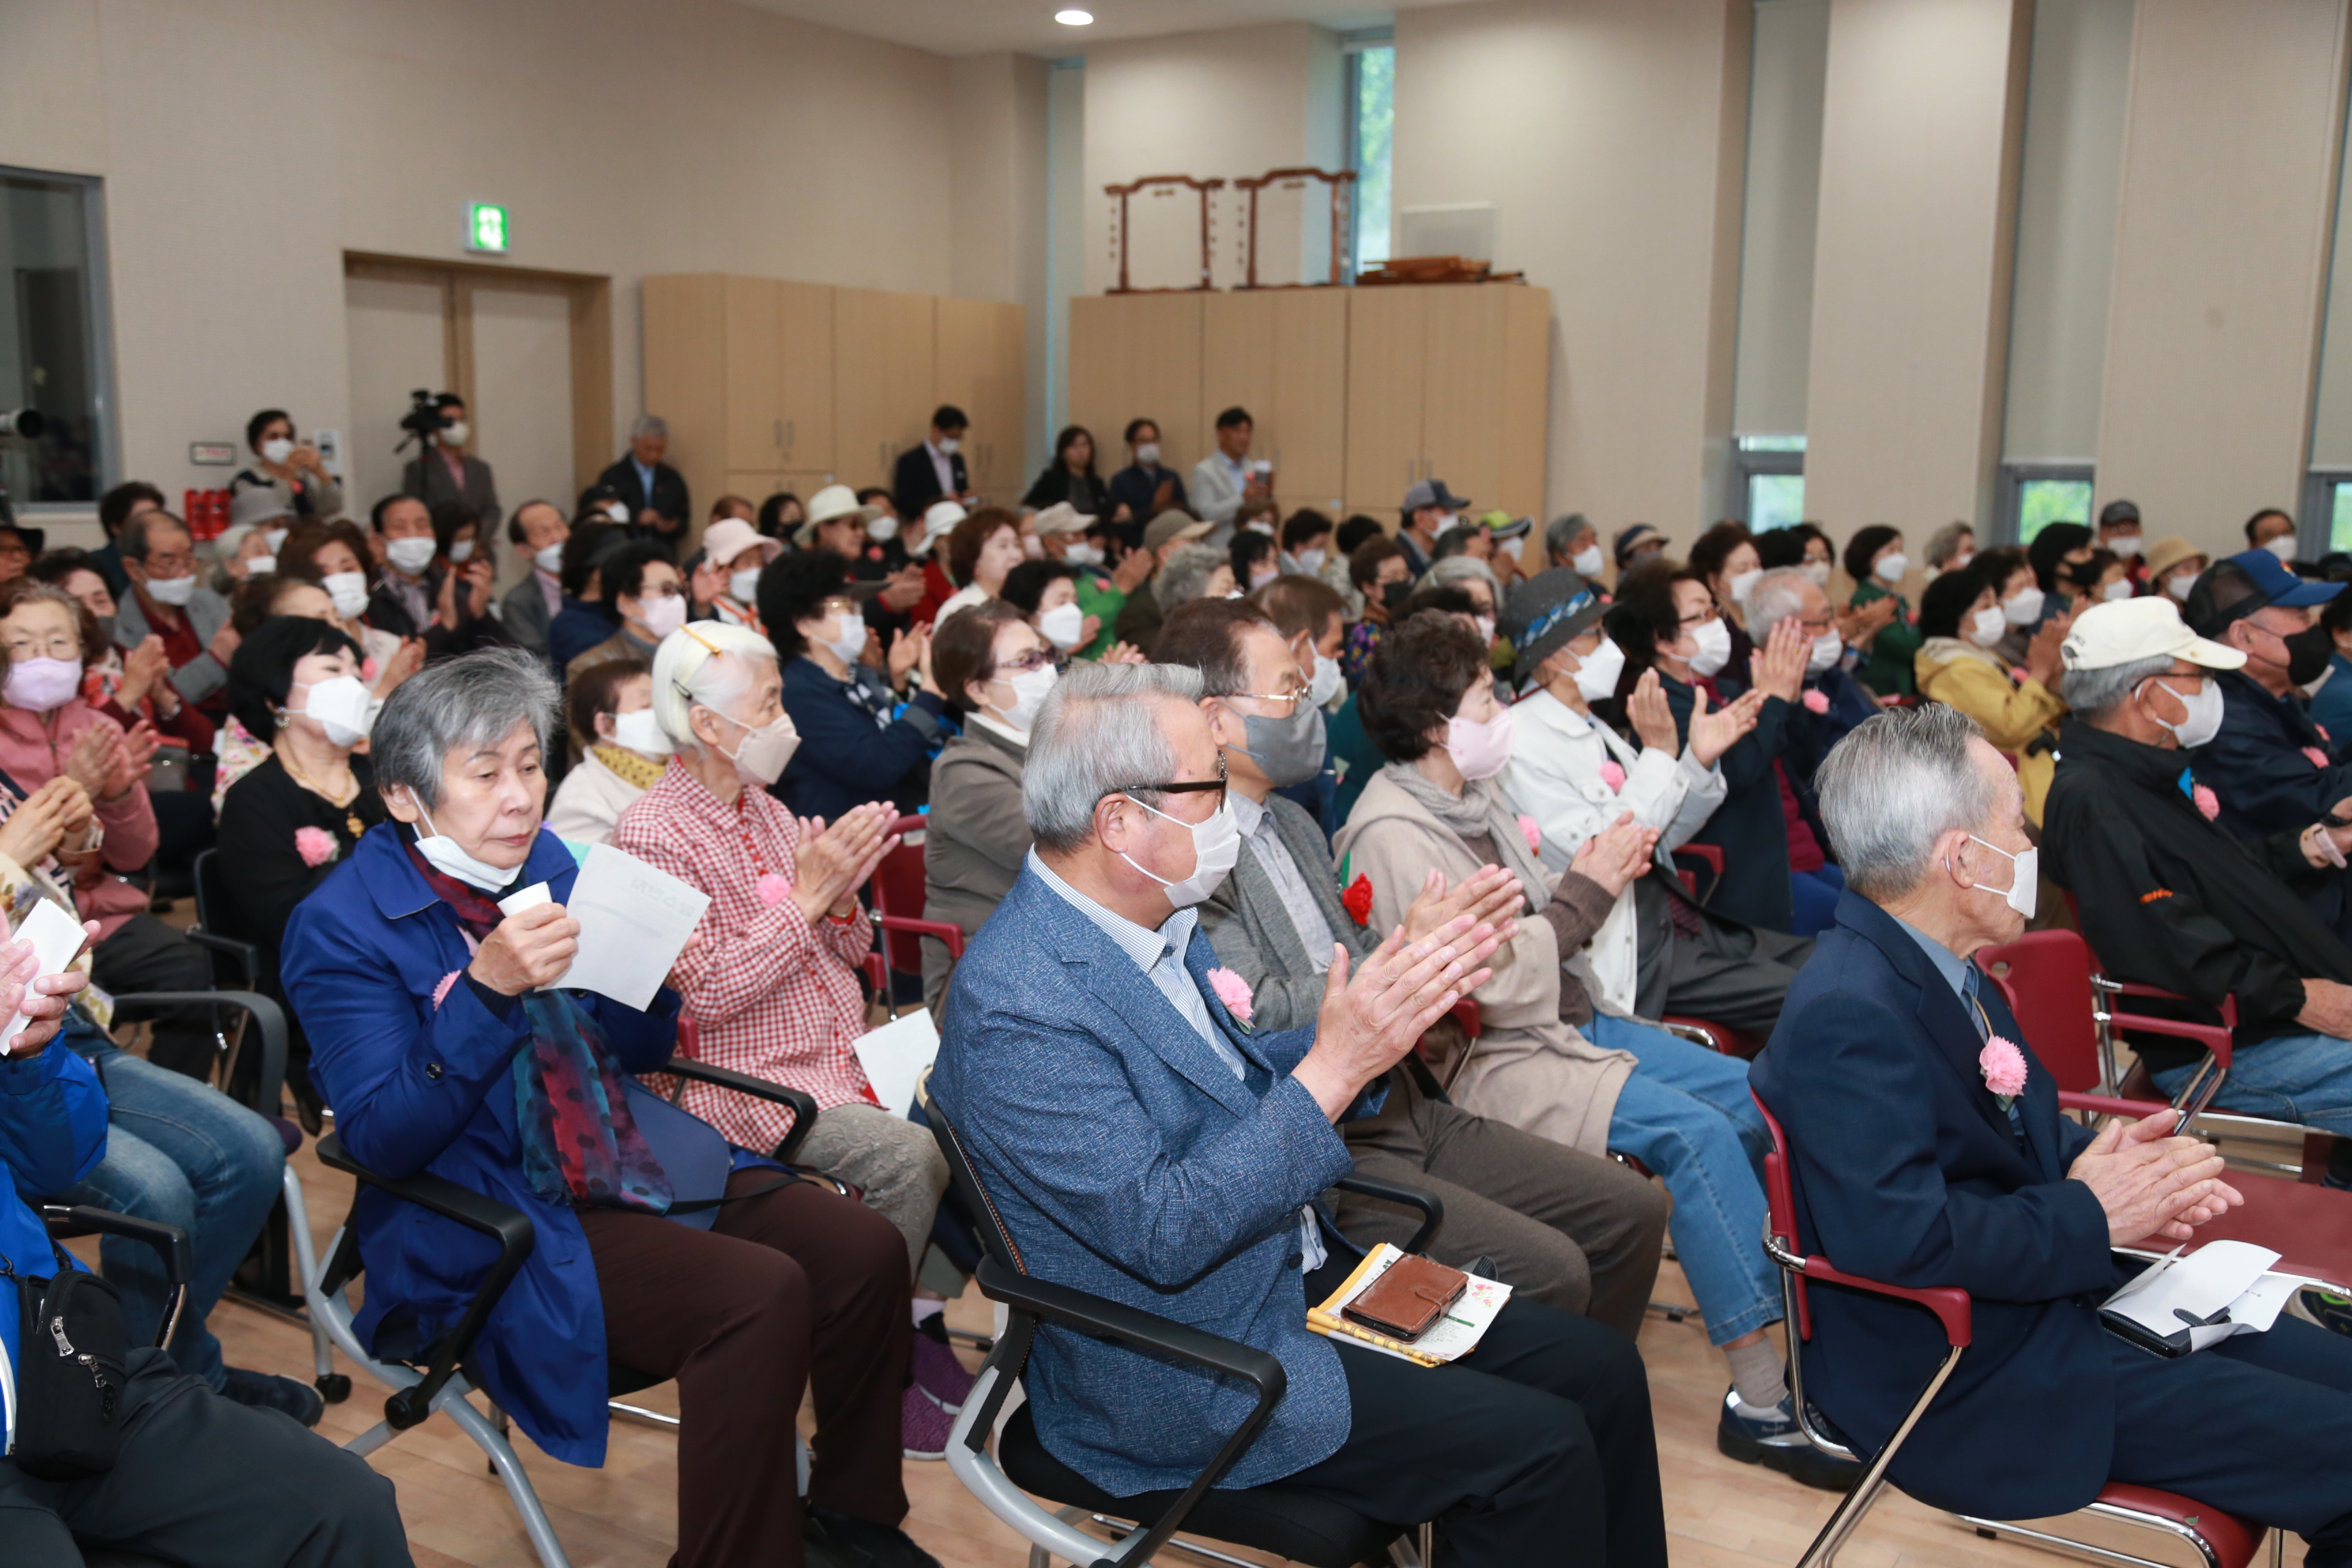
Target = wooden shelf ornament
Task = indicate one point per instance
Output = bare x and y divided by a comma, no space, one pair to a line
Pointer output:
1341,186
1119,226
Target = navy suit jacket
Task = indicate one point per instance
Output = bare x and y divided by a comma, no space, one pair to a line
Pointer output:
2261,770
1906,1172
1127,1159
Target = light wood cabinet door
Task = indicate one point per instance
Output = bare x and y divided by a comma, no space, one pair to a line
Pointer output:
1282,355
1388,335
804,366
981,366
686,374
1138,356
1462,390
755,397
882,391
1526,403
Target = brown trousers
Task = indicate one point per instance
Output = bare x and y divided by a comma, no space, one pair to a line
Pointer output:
794,1284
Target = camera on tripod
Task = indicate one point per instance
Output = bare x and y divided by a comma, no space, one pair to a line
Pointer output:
423,419
25,422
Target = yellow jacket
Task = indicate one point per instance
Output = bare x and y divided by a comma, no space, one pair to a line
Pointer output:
2013,712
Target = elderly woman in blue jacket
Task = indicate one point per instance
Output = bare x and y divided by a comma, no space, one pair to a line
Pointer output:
440,1049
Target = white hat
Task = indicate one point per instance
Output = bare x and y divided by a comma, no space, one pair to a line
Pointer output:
728,538
1062,517
941,517
2119,631
832,501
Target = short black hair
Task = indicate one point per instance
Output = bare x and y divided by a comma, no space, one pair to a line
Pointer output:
1137,423
1235,416
448,400
1248,548
385,503
2255,520
1206,634
590,543
624,572
793,587
1441,598
1644,614
260,422
1025,585
948,416
872,494
1364,561
451,514
515,534
1711,550
1302,525
1996,564
1415,682
772,513
262,673
1865,543
114,508
1355,531
1944,603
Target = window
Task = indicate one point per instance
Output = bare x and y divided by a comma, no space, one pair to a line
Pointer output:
1371,115
1768,481
55,357
2039,494
2327,503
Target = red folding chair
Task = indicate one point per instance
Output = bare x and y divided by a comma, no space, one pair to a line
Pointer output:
2046,977
897,911
2224,1540
1707,855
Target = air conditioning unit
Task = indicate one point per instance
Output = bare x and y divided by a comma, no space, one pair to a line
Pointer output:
1465,230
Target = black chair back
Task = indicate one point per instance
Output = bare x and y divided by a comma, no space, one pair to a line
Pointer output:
237,962
964,1177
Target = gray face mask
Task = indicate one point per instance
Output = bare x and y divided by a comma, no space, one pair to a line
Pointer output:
1286,751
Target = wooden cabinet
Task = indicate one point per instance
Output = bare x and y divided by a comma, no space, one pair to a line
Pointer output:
980,349
882,392
1388,335
1138,356
1282,353
1450,382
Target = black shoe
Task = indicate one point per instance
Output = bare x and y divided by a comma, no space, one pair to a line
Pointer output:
264,1391
878,1543
1774,1439
824,1549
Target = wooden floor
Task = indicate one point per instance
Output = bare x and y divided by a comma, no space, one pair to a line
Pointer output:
1718,1512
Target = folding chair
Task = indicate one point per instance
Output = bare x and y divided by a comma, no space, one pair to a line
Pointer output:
2222,1539
1288,1522
436,1380
897,912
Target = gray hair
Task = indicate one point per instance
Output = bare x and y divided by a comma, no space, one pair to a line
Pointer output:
1778,595
1945,542
474,699
1098,733
2093,694
1562,534
1898,782
133,539
1456,568
649,425
1187,572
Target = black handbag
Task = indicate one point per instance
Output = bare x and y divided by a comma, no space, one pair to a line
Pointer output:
72,1372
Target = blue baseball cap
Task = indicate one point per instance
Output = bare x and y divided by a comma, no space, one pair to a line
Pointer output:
2279,584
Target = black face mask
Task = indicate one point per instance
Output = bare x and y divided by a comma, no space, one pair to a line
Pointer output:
1394,594
2307,653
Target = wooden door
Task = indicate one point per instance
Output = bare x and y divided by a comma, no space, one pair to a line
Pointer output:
882,392
1139,356
1462,390
686,375
1309,397
1526,379
755,397
805,369
981,366
1388,332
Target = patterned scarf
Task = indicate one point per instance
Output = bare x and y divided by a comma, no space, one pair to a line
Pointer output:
1480,808
581,1147
630,768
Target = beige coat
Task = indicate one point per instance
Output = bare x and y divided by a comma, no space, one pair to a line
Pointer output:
1527,1069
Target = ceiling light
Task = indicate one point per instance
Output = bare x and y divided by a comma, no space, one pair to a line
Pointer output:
1074,17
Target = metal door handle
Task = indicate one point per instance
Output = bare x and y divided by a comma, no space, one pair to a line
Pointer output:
779,432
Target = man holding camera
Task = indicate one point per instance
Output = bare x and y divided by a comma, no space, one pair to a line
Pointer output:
442,469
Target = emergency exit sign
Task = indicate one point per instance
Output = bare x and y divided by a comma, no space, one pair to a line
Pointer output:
485,228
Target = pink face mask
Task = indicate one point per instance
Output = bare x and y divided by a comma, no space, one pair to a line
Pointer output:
1480,751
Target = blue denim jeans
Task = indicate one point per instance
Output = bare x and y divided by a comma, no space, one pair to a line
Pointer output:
184,1153
2304,1079
1686,1113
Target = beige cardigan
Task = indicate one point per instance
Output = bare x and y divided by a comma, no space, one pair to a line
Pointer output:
1527,1069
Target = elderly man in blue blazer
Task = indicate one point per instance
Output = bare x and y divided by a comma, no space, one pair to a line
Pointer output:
1910,1170
1143,1143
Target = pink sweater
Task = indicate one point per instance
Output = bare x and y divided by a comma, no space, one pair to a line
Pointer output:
33,751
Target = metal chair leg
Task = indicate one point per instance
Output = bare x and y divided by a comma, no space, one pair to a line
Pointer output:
1824,1549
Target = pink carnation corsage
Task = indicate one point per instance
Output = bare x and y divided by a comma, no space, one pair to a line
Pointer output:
315,844
773,888
1233,992
1817,701
1532,833
2003,1065
1612,773
2209,805
2318,758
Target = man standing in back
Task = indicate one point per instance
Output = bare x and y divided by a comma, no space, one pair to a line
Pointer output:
1227,477
652,491
934,470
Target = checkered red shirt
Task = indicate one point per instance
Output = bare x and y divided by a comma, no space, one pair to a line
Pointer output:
769,995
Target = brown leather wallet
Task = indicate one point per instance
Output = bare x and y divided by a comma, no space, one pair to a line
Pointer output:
1406,1301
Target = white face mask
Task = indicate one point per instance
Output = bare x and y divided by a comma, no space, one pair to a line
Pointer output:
2204,720
1597,672
260,564
1828,648
882,528
2124,545
454,433
1586,561
1062,625
1485,625
1714,648
1959,562
1260,525
1988,626
1079,553
1327,682
1311,561
410,556
947,445
2121,588
1030,689
617,510
344,708
1816,573
2023,607
277,449
1148,454
638,730
2179,584
760,757
172,590
2024,880
743,587
1890,568
349,591
1216,844
1741,583
462,552
1446,521
2283,546
662,616
450,860
275,538
549,559
848,639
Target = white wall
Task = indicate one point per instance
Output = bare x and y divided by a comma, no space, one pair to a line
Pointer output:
245,145
998,204
1780,213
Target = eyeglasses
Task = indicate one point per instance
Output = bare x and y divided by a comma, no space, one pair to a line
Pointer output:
58,645
1288,700
159,565
1195,786
1036,658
